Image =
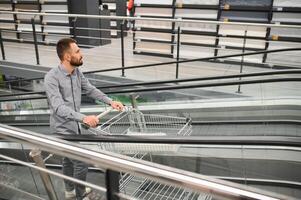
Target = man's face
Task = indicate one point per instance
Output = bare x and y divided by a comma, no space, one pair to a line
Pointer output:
75,56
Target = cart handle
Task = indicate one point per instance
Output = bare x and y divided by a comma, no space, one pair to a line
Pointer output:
104,113
86,126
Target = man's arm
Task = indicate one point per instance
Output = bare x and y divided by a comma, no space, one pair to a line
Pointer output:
92,91
56,100
96,94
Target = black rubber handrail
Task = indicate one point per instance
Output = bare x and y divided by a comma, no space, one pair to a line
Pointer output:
202,85
267,73
184,140
213,140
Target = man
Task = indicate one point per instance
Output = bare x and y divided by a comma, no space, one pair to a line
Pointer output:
64,85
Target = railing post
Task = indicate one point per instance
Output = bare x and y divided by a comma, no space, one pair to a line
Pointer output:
242,59
35,40
2,46
178,52
74,27
112,184
36,156
134,97
122,47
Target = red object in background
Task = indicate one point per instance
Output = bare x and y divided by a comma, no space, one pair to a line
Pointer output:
130,5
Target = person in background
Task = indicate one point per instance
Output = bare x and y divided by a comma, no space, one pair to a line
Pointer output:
64,85
130,7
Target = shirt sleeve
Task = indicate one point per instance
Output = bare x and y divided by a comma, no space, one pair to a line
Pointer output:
92,91
56,100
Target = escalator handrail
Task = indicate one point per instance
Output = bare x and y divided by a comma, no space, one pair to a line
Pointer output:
204,140
274,141
117,162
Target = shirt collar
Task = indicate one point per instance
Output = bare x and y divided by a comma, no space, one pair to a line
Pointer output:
62,68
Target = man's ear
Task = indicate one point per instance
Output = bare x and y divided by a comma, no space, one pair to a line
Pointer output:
67,56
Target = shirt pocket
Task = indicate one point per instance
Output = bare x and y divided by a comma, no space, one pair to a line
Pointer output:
65,89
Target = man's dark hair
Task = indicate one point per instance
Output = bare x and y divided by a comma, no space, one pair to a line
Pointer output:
63,45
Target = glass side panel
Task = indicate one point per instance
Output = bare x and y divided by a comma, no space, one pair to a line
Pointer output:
20,182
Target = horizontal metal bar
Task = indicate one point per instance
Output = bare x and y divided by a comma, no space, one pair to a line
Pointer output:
118,162
179,20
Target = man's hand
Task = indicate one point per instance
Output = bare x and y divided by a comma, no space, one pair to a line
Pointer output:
91,120
117,105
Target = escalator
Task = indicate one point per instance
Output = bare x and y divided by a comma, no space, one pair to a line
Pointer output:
224,115
273,168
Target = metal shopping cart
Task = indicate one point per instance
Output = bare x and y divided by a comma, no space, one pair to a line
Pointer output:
132,122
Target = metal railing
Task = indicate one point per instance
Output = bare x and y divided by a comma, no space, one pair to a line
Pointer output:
151,19
114,163
121,18
182,86
168,63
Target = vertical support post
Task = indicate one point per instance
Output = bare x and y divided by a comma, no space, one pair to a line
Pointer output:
112,184
242,59
218,18
178,52
9,87
74,27
268,32
35,40
173,25
122,47
134,97
2,46
36,156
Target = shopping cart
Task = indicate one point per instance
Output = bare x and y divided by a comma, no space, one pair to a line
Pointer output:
133,123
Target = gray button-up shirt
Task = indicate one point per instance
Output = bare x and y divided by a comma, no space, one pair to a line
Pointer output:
64,95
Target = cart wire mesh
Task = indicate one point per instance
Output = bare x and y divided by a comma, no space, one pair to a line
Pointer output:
133,123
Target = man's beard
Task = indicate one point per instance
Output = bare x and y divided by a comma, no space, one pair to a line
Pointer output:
76,63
